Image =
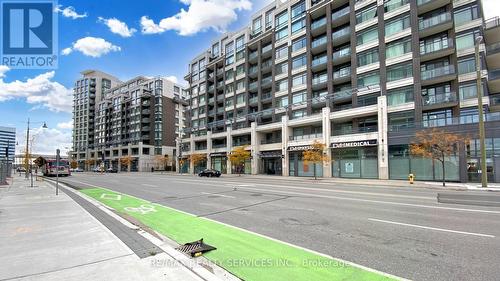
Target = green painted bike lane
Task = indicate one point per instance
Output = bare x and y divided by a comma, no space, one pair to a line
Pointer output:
249,256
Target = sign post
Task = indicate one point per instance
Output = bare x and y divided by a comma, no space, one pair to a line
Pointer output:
57,170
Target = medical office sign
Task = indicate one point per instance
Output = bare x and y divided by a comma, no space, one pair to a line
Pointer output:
29,34
354,144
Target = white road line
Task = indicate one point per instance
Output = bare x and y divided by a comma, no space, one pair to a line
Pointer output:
217,194
149,185
433,228
361,200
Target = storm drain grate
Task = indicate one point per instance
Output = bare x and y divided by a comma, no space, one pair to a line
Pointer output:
196,248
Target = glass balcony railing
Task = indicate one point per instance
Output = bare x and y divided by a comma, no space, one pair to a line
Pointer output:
422,2
341,53
343,72
253,55
439,98
320,79
392,5
342,95
252,85
341,13
437,72
252,70
341,33
433,21
306,137
267,80
253,99
267,48
319,61
436,46
350,130
318,23
318,42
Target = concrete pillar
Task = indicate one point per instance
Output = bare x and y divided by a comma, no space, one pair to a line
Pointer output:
229,146
285,133
178,150
325,118
255,143
191,151
383,148
209,149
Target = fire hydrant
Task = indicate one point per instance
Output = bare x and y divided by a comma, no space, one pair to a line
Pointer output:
411,177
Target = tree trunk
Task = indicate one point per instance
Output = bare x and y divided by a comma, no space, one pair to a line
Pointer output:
444,178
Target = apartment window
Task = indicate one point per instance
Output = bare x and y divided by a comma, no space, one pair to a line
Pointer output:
298,25
240,42
466,65
401,120
240,85
436,94
229,101
391,5
467,40
229,60
368,57
299,61
369,79
240,99
281,19
299,80
299,44
240,55
397,25
435,43
467,91
282,102
366,14
401,71
367,100
437,118
256,26
298,10
299,97
215,49
240,69
282,85
229,88
282,33
400,96
282,52
367,36
467,14
282,68
299,113
398,48
229,74
229,48
269,19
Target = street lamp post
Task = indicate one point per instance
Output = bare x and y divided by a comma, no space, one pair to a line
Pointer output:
479,90
27,164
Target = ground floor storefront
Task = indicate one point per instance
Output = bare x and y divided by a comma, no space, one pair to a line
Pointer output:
271,163
355,162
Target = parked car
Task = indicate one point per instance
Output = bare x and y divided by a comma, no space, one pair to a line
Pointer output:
97,170
78,170
111,170
209,173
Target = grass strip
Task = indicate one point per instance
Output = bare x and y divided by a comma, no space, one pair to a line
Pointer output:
250,257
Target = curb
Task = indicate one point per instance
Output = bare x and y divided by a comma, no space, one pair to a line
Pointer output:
200,266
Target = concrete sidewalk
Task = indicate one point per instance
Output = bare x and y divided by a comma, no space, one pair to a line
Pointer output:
49,237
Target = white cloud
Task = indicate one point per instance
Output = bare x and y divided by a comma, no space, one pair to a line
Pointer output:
92,47
118,27
172,79
46,141
200,15
491,8
69,12
39,91
65,125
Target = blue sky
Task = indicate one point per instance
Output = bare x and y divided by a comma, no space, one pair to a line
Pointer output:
124,38
126,46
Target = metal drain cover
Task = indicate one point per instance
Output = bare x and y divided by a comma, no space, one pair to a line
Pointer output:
196,248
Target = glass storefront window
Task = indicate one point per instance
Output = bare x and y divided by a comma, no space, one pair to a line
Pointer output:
355,163
297,167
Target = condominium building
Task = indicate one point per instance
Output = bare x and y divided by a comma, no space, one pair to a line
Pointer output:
359,76
140,118
7,143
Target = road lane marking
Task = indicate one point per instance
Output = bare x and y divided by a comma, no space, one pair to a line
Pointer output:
149,185
217,194
433,228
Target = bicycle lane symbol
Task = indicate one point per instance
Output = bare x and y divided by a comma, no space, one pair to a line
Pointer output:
143,209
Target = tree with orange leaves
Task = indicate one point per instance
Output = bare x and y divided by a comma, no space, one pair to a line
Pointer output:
315,155
197,158
436,144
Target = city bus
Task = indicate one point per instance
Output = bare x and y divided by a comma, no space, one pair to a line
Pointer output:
49,168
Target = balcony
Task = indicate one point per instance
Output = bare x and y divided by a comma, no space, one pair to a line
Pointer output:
252,57
318,45
424,6
341,36
270,141
430,102
342,75
351,131
342,96
491,29
266,66
341,16
145,112
306,137
494,81
211,88
493,56
220,97
319,63
318,26
145,120
436,50
435,24
252,71
319,81
266,50
438,75
211,100
253,100
342,56
266,82
252,87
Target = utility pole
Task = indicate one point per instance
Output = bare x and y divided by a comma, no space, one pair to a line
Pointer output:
26,155
479,89
57,170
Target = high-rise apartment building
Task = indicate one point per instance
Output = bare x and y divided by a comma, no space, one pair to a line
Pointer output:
359,76
141,119
7,143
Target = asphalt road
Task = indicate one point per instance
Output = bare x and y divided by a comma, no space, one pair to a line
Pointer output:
401,231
